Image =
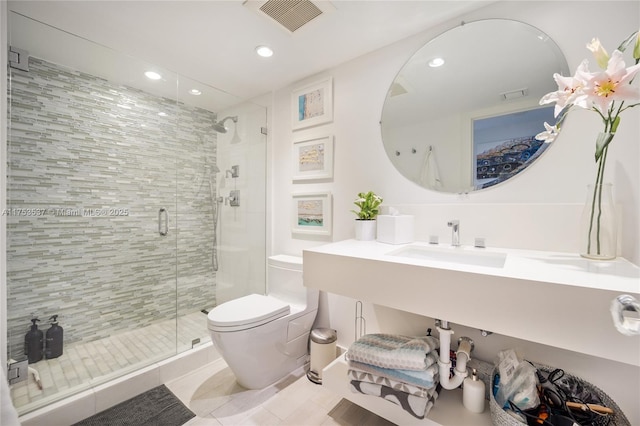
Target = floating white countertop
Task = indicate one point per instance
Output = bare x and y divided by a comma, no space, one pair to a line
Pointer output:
557,299
552,267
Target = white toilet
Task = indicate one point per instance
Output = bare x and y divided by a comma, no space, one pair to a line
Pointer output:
263,338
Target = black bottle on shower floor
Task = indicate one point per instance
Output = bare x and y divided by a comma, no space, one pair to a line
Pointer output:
53,348
34,343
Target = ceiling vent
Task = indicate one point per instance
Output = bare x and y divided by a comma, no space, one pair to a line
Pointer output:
291,14
514,94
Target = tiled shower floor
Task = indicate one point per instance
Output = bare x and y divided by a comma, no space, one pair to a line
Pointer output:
83,365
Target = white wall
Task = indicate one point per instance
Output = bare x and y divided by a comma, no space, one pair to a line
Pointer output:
539,209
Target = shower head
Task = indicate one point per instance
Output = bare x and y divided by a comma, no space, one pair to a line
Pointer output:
218,126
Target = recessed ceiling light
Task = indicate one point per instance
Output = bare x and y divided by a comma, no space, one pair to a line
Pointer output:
264,51
436,62
152,75
195,92
163,114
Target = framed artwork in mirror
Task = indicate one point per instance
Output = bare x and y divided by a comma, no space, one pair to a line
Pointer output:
313,158
311,213
312,104
506,144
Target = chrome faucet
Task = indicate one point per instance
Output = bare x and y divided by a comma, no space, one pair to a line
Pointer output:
455,232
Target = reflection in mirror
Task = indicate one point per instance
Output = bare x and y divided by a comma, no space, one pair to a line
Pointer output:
463,112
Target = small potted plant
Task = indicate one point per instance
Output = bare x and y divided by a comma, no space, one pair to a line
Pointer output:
366,222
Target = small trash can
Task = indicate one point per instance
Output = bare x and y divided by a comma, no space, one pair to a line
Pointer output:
323,351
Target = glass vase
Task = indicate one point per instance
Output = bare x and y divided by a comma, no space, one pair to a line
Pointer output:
598,226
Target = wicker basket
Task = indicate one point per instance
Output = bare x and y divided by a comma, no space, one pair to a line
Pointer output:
499,417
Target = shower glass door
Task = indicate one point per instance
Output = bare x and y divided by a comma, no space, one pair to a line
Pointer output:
131,216
92,199
241,187
221,201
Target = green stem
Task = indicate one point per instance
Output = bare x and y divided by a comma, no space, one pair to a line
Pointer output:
597,195
593,208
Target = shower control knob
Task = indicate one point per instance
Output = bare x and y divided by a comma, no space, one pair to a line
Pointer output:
234,198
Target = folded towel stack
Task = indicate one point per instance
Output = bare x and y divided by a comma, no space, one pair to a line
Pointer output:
400,369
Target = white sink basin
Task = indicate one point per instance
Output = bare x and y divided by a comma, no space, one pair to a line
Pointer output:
459,255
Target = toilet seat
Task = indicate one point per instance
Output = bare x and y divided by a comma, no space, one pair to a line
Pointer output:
246,312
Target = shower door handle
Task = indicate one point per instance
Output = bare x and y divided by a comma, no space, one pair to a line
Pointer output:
163,230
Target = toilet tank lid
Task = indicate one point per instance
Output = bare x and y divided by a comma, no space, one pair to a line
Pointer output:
286,261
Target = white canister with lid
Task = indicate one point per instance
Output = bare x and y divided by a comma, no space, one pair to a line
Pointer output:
473,393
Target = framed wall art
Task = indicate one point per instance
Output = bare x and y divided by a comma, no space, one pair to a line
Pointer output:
312,104
313,158
311,213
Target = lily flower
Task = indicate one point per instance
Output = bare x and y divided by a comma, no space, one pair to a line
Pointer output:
597,92
569,90
549,135
603,88
601,55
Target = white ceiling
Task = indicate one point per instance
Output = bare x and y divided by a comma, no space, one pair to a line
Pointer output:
213,41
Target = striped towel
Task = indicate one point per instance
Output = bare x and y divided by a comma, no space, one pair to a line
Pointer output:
363,376
417,406
426,378
393,351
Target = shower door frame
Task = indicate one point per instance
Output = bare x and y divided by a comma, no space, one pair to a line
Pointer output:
157,205
4,122
252,125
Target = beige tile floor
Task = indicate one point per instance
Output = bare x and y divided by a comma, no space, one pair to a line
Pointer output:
212,393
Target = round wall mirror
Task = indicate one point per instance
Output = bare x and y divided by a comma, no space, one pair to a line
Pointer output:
463,112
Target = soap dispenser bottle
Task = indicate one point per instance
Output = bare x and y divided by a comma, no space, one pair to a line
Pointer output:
473,393
34,343
53,339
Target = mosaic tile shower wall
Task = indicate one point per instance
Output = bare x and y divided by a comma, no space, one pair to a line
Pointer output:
90,164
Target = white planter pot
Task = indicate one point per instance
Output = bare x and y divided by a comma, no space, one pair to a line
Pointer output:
365,230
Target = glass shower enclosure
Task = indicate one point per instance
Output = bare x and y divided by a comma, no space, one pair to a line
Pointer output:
130,213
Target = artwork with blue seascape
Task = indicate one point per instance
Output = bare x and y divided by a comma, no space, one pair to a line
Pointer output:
507,159
310,213
506,144
311,105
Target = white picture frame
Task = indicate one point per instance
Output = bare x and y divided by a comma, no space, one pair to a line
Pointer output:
312,104
311,213
312,158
